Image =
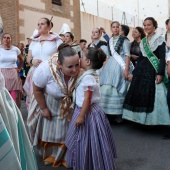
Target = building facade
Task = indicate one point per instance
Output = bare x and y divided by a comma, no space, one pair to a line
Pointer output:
20,17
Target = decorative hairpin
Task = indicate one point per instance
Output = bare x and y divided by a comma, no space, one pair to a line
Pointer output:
51,18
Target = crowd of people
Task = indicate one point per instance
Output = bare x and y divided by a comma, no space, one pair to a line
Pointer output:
74,93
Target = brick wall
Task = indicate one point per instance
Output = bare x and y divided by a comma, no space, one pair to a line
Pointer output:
9,14
12,13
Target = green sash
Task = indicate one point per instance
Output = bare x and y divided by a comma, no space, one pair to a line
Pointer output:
153,59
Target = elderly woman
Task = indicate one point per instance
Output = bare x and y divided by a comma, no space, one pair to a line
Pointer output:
145,102
9,56
49,114
40,49
16,152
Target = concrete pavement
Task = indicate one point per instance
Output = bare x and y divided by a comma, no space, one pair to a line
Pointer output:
138,147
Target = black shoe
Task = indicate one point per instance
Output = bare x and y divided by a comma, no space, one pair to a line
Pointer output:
166,137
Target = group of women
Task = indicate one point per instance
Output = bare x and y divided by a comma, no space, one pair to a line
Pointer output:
144,99
57,89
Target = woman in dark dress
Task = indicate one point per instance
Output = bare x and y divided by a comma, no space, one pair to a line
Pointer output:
145,102
138,34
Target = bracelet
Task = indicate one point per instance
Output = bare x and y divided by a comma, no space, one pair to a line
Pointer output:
31,61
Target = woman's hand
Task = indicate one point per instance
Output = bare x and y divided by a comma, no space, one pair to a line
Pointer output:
159,79
130,76
134,57
126,74
19,69
102,30
36,62
79,121
46,113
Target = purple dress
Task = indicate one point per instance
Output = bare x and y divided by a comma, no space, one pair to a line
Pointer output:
90,146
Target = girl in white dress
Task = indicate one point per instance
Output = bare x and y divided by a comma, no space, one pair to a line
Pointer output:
89,139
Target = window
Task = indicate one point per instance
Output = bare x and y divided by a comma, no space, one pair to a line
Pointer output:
56,2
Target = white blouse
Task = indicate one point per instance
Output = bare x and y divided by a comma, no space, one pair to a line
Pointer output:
8,58
88,83
45,50
43,78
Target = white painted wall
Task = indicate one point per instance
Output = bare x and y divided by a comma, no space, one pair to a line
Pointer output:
136,11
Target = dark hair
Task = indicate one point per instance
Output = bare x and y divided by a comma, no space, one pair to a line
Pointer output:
83,40
52,24
96,56
141,31
47,21
65,50
125,29
22,44
71,35
167,21
61,35
114,23
155,24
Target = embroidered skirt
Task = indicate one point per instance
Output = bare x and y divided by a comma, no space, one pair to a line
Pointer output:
91,146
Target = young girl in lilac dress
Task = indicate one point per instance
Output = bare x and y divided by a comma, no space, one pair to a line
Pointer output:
89,139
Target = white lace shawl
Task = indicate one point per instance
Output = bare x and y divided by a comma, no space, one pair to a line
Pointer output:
155,41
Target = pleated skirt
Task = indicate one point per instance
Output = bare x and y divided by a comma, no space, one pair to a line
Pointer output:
91,146
12,79
48,135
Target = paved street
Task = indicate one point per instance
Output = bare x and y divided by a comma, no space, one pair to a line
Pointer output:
138,147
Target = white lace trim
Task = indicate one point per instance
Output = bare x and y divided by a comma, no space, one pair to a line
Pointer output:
155,41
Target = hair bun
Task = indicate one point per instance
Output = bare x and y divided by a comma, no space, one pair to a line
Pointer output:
62,46
101,55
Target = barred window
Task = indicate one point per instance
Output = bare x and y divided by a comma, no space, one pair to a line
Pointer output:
56,2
